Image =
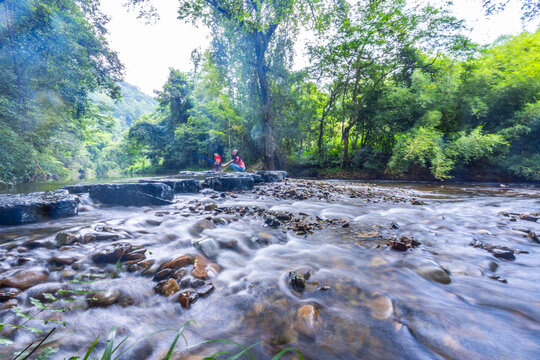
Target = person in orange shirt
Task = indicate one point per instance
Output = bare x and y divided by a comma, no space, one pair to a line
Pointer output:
217,162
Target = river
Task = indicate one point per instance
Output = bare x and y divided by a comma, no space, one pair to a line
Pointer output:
442,298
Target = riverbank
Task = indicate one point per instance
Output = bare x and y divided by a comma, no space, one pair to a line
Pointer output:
336,269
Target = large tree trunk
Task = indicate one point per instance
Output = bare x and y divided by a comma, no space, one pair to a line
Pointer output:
267,119
345,162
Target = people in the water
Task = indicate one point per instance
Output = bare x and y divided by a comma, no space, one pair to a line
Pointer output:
236,163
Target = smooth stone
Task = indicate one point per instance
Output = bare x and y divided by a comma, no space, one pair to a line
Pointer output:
179,186
381,307
64,238
205,290
229,183
434,273
184,299
24,280
169,287
162,274
179,274
307,321
272,175
209,247
111,254
103,298
180,261
201,225
9,293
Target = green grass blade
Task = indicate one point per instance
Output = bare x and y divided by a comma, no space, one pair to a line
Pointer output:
243,351
173,345
89,352
139,341
107,354
284,351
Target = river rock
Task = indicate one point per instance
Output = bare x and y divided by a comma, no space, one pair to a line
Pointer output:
62,259
533,237
24,280
64,238
103,298
297,281
39,291
111,254
180,261
433,272
8,293
89,237
184,299
307,321
179,186
162,274
209,247
229,183
201,225
16,209
272,176
381,307
142,194
79,188
205,290
169,287
203,266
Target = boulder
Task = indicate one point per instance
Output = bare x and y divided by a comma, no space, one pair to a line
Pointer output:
272,176
179,186
79,188
229,183
133,194
16,209
24,279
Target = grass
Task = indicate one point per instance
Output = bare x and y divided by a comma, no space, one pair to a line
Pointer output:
116,351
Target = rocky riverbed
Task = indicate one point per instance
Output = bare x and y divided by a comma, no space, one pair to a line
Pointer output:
338,270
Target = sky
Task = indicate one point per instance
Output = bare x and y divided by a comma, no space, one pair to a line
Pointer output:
148,51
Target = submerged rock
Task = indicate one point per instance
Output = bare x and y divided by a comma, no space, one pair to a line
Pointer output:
103,298
64,238
209,247
79,188
111,254
229,183
24,280
9,293
433,272
297,281
133,194
307,321
16,209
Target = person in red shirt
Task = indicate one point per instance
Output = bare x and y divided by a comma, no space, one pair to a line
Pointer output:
237,164
217,162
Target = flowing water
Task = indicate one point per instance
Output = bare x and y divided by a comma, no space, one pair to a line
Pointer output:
372,301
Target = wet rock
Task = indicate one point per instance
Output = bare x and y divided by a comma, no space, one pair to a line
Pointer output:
179,274
184,299
210,207
62,259
528,218
229,183
135,256
132,194
185,282
8,304
64,238
78,188
433,272
8,293
193,297
297,281
205,290
141,265
272,176
307,321
209,247
162,274
324,288
201,225
100,237
39,291
417,202
271,221
381,307
169,287
16,209
111,254
504,254
197,283
395,225
398,246
179,186
24,280
103,298
202,266
533,237
180,261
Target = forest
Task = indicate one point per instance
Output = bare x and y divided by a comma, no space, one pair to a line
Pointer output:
391,90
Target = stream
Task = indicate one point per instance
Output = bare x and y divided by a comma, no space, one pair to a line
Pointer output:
442,298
